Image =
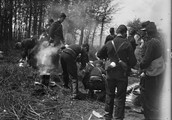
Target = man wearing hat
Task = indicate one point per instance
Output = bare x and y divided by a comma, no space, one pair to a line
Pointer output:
151,83
56,31
117,76
111,36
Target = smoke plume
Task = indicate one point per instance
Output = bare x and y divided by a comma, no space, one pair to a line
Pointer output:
46,58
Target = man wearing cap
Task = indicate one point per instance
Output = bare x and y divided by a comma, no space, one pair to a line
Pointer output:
69,57
117,77
111,36
151,84
56,31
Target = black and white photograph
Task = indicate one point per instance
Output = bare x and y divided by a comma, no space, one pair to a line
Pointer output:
85,60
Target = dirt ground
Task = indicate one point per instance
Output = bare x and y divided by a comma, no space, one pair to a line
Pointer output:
83,109
18,100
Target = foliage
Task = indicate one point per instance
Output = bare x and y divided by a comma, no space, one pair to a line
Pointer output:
136,24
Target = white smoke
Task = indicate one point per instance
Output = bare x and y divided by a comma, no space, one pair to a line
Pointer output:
45,56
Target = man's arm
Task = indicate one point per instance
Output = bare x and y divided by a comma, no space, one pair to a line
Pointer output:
148,56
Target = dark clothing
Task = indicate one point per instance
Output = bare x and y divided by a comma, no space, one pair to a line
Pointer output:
125,53
119,102
109,38
97,71
116,79
96,80
151,50
132,41
151,86
76,50
27,44
151,89
56,33
69,66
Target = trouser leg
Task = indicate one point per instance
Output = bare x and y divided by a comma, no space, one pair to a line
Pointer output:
110,95
65,74
74,79
151,97
72,71
120,99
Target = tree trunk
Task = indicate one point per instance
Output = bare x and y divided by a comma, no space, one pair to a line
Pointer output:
40,19
35,18
10,23
94,32
101,32
81,36
30,18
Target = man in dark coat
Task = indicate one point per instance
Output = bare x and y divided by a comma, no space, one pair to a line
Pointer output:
151,86
111,36
69,66
26,46
117,77
56,31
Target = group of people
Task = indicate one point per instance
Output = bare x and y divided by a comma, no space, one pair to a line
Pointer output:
119,56
151,67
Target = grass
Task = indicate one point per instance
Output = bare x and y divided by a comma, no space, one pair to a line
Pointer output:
18,103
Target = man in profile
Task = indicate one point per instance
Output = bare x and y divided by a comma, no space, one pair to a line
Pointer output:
56,31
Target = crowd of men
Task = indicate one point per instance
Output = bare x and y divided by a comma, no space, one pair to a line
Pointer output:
116,60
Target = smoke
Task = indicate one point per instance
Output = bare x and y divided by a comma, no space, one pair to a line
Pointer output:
45,57
77,18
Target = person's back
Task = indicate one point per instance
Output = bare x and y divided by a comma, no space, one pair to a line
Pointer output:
97,79
120,53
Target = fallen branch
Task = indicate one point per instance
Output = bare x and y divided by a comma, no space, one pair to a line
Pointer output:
33,111
15,113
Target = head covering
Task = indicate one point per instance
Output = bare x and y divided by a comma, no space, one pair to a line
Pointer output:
144,24
121,29
63,15
112,30
151,29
